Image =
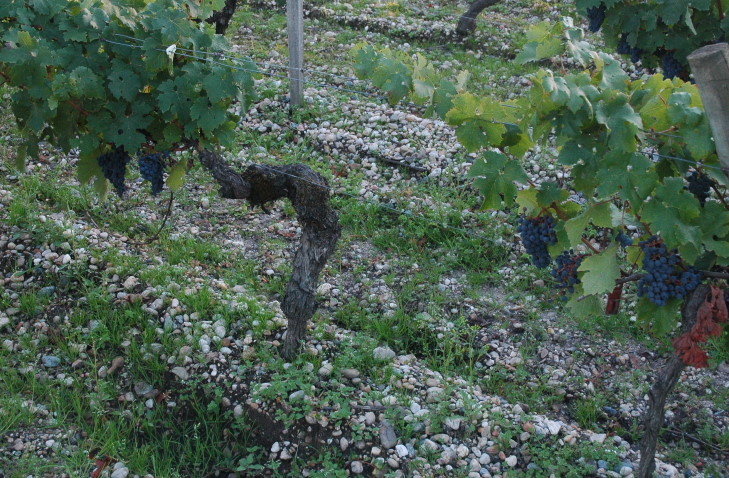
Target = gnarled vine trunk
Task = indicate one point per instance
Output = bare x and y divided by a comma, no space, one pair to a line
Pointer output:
221,18
665,382
467,22
309,194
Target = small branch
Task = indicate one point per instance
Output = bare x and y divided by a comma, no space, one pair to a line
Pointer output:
630,278
168,213
720,7
679,434
715,275
720,196
592,248
77,108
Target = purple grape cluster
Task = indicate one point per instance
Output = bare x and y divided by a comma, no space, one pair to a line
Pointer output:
624,48
595,16
565,270
664,276
114,167
699,185
623,239
671,67
537,233
152,167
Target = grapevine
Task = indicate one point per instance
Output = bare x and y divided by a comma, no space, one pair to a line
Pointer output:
115,91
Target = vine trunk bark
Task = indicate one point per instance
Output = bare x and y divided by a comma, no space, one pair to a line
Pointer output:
221,18
467,22
665,382
309,194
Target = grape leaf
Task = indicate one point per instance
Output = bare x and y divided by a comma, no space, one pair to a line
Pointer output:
123,82
622,121
600,271
175,179
477,134
585,306
527,199
208,116
672,213
599,214
663,319
496,175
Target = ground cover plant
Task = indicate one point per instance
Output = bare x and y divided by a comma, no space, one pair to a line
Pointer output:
437,349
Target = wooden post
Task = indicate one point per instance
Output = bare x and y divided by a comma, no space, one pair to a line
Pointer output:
710,66
295,24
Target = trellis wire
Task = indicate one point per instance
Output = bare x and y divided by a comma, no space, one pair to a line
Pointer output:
327,86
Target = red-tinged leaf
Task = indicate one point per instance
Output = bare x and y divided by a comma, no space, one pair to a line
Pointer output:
694,357
101,464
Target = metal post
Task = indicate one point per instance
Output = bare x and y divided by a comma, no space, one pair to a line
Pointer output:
295,24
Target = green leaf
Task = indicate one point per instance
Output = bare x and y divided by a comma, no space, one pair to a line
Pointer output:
365,60
600,271
599,214
208,116
622,121
219,87
549,193
87,169
394,78
496,176
123,82
468,107
443,98
663,319
175,179
672,213
585,306
101,186
714,226
527,199
477,134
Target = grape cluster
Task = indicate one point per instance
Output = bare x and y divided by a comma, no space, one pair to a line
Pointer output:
595,16
566,270
114,167
536,234
152,167
699,185
623,239
664,277
624,48
671,67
